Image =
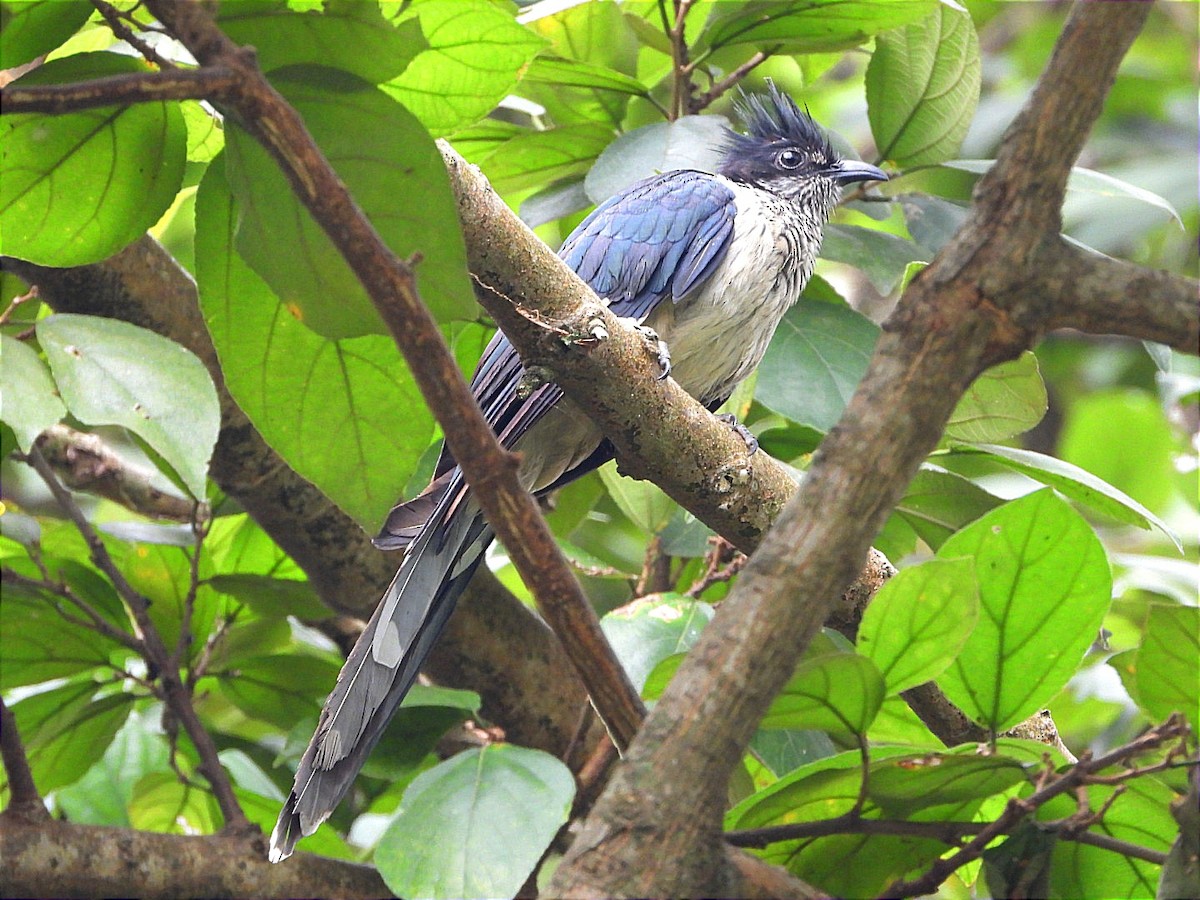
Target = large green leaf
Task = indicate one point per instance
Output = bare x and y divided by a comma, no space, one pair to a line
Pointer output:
646,632
938,503
475,56
29,28
345,34
839,693
332,409
815,361
66,730
31,401
922,87
79,187
476,825
1076,483
386,158
1044,586
690,142
642,501
1164,672
807,26
112,373
919,620
537,158
881,256
278,691
163,803
1006,400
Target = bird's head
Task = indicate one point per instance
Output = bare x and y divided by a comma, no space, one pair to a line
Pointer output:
785,152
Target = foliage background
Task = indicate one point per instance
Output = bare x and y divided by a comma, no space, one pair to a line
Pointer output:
579,102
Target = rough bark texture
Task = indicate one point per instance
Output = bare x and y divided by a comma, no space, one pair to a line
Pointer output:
59,859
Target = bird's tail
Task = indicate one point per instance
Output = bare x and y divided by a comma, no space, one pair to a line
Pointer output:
383,665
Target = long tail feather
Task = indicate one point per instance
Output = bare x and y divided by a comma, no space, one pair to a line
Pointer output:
383,665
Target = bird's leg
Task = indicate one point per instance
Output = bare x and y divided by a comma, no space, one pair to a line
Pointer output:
741,431
662,353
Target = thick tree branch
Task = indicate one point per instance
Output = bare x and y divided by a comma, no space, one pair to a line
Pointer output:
969,309
60,859
1101,295
210,82
390,282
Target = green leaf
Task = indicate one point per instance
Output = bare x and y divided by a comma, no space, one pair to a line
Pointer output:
904,785
1142,462
647,631
919,620
31,401
816,359
690,142
1166,668
384,156
1076,483
103,795
162,803
573,73
79,187
29,28
345,34
273,597
476,54
939,503
537,158
1085,181
807,26
67,729
331,409
882,257
838,693
163,575
643,502
36,643
476,825
1044,587
1005,400
278,692
112,373
923,86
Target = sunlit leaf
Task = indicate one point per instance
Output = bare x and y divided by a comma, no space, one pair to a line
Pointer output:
31,400
918,621
648,631
922,87
1044,586
476,825
29,28
839,693
112,373
1005,400
79,187
938,503
805,26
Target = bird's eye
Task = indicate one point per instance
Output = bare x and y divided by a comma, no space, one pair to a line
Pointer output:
790,159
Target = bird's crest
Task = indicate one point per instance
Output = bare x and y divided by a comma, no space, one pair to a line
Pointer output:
775,118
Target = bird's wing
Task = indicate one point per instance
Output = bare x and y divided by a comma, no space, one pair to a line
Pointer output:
659,239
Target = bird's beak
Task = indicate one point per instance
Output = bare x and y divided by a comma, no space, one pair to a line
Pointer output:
849,171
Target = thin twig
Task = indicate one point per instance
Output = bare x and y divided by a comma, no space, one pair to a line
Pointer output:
731,80
175,695
210,82
31,294
117,22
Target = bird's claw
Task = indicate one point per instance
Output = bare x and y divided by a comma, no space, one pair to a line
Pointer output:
662,353
741,431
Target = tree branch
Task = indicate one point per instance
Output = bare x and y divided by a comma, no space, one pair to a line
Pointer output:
209,82
96,861
1101,295
969,309
25,803
86,463
490,470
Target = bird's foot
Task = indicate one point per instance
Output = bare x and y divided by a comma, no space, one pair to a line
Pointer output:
741,431
662,353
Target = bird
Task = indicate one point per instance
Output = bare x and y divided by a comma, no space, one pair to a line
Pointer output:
709,263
